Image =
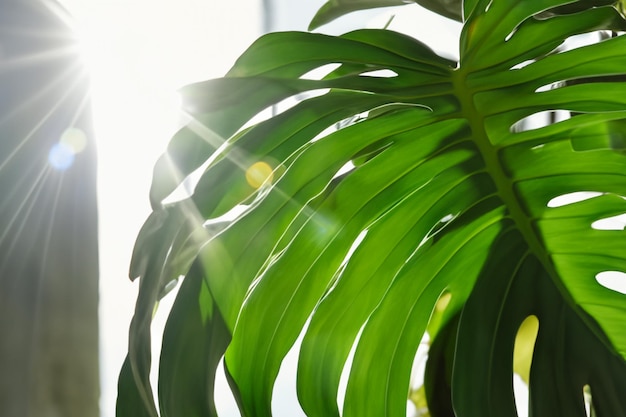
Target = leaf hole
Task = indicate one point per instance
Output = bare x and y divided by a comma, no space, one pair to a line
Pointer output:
580,40
588,401
284,392
319,73
439,226
349,166
446,218
524,346
216,224
290,102
521,64
225,402
347,367
355,245
348,121
522,358
327,131
279,108
438,313
613,280
381,73
548,87
521,395
571,198
610,223
416,402
510,35
539,120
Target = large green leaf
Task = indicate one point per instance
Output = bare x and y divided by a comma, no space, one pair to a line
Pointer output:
378,198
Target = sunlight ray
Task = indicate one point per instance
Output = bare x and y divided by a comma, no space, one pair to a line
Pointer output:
10,194
39,124
57,9
244,162
47,239
235,155
70,72
32,194
80,108
25,60
25,218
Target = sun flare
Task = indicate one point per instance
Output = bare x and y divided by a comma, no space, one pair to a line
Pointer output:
138,54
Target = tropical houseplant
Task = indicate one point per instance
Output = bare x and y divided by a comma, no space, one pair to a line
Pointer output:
402,194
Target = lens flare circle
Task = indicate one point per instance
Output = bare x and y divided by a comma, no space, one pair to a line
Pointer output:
75,139
258,173
61,156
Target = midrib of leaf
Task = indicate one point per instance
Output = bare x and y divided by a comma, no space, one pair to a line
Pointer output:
504,184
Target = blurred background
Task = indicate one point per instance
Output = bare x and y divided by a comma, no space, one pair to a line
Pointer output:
88,101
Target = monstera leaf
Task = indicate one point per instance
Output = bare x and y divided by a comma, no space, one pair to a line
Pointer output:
395,194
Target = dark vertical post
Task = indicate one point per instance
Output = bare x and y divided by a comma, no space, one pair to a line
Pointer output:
48,219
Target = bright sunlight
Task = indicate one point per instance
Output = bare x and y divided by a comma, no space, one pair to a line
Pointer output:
139,54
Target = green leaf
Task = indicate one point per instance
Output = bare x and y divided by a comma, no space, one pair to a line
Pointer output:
567,355
389,206
166,246
438,372
194,340
129,400
187,150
